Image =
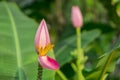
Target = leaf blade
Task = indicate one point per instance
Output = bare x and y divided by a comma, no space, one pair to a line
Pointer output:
15,42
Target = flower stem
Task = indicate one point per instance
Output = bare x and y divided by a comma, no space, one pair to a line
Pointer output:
80,55
40,70
63,77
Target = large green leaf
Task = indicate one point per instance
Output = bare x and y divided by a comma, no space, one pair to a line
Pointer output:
64,49
17,55
106,63
18,59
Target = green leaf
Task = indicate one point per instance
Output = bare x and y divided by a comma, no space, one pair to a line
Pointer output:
48,74
106,63
63,50
18,59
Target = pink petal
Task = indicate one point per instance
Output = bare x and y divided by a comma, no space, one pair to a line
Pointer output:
48,63
76,17
42,36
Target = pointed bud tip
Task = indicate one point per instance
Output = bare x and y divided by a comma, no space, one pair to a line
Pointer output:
43,21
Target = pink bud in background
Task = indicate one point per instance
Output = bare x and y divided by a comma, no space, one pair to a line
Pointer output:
76,17
43,46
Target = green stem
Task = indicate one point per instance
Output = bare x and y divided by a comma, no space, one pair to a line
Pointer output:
78,32
63,77
74,67
80,56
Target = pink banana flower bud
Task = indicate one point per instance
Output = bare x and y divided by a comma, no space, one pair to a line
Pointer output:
43,45
76,17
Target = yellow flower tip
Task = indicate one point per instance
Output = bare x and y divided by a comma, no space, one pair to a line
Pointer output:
44,51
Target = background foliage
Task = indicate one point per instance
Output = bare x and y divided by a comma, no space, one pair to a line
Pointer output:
100,37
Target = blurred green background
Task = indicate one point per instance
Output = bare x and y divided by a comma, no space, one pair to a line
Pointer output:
97,14
103,16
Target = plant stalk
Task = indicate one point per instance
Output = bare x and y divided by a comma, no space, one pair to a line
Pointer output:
40,70
80,56
63,77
